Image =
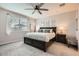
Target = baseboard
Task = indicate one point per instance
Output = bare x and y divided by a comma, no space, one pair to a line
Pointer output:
10,42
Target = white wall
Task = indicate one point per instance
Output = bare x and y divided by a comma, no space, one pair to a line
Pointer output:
14,36
66,20
77,32
4,38
45,22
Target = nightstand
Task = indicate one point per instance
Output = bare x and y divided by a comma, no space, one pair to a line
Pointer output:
61,38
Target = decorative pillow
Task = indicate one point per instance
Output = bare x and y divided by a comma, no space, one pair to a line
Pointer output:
51,30
47,30
40,30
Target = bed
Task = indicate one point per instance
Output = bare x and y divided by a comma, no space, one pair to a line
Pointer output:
41,39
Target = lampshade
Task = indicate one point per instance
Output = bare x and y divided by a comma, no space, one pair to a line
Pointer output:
61,30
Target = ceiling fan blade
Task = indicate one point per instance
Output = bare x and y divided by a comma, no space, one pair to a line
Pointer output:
41,4
33,12
28,9
44,9
39,11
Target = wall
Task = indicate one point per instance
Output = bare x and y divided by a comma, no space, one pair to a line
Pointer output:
13,36
45,22
77,32
66,20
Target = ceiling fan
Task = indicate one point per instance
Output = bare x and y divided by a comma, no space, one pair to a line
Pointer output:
37,7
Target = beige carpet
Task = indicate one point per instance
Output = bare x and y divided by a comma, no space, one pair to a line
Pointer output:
62,50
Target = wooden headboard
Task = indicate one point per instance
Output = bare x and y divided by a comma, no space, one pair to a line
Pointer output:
53,28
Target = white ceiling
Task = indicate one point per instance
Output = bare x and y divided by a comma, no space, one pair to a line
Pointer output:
54,8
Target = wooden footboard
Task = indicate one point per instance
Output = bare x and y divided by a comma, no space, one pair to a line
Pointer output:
38,44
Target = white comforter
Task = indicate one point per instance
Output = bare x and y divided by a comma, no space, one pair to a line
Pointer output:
41,36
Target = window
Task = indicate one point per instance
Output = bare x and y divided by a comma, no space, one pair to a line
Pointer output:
15,23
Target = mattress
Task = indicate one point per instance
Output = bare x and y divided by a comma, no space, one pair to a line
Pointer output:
40,36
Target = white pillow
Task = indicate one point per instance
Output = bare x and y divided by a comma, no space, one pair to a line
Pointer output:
51,30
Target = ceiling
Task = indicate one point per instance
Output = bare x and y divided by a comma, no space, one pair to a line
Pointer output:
54,8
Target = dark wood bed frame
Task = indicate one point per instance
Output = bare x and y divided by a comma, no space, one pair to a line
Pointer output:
40,44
